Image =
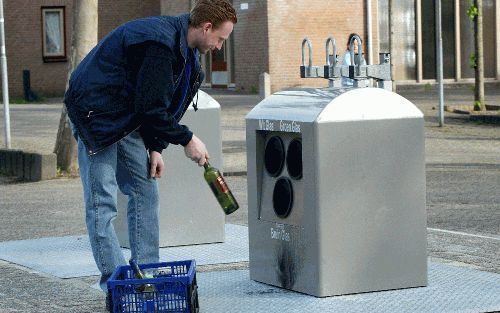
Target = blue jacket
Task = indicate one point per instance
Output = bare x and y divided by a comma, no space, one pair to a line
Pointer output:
101,98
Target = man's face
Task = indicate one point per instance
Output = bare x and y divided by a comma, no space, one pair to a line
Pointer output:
213,38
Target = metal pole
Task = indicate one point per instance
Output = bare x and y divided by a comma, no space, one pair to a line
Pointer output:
392,43
5,83
439,63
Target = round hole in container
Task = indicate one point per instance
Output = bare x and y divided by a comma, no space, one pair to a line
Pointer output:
283,197
274,156
294,159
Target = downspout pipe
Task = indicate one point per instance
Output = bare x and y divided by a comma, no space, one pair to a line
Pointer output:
369,31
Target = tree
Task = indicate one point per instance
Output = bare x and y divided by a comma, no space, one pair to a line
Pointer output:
83,39
475,12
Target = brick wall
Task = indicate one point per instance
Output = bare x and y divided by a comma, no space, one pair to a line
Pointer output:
23,29
266,38
174,7
268,35
113,13
251,41
292,20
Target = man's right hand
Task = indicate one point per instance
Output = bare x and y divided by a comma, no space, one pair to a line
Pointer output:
196,151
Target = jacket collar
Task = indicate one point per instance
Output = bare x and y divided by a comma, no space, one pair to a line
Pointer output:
183,21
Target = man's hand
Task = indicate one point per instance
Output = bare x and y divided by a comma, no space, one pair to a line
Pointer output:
156,165
196,151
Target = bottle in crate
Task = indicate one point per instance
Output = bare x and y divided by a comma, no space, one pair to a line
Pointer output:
171,287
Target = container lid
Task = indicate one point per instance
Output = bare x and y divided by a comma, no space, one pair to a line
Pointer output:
360,104
205,101
334,105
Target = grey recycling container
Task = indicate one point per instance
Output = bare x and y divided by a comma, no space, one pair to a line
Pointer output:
189,212
336,191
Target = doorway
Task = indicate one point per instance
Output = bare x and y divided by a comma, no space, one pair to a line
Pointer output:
219,67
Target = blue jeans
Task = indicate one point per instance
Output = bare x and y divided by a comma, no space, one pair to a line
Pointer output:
123,165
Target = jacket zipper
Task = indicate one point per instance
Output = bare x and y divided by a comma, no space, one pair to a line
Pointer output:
186,104
198,82
181,74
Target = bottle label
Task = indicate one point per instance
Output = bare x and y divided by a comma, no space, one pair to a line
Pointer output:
221,184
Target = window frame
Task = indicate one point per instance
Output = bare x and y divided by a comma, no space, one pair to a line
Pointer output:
54,57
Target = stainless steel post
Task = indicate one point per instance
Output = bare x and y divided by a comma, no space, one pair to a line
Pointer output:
5,83
439,63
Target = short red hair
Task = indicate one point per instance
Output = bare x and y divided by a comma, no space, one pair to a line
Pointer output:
213,11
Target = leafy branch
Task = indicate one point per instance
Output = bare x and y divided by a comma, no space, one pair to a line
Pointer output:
472,11
472,60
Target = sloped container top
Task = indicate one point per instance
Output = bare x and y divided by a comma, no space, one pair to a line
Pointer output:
205,101
334,105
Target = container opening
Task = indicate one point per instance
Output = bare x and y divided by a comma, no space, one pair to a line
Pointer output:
294,159
274,156
283,197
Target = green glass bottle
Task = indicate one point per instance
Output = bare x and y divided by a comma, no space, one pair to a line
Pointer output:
220,189
149,288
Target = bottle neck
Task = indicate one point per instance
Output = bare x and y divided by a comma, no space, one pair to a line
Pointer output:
135,267
206,165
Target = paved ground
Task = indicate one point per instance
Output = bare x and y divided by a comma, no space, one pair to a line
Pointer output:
463,202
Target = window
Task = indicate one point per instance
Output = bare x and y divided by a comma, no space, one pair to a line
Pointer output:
53,34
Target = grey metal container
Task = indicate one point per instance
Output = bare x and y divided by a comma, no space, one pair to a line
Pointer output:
343,210
189,212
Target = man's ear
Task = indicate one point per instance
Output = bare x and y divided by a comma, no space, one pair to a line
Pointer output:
206,27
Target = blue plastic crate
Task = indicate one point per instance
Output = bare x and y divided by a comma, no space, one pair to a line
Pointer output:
175,288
